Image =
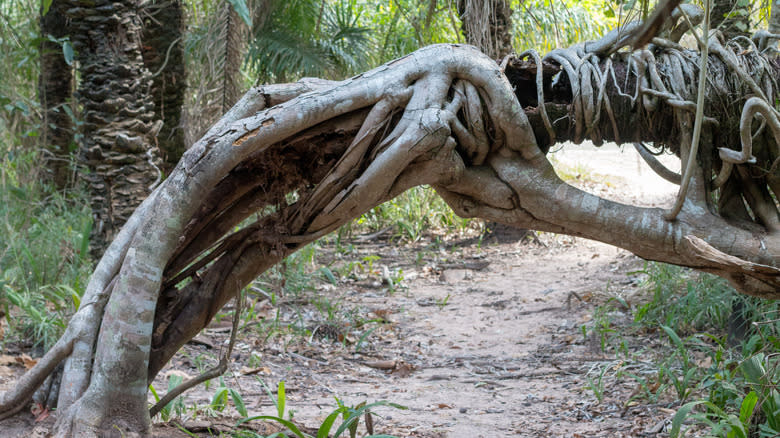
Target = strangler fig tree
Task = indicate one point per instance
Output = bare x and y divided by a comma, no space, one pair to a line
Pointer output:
447,116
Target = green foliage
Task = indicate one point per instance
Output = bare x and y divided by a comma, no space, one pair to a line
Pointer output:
44,262
19,42
175,408
350,417
310,38
44,259
417,211
545,25
687,301
733,389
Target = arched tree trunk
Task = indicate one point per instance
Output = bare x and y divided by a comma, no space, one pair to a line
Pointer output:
118,141
163,52
447,116
55,83
487,24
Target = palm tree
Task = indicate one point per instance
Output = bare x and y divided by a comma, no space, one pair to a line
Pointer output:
55,82
163,52
120,126
309,38
487,24
215,49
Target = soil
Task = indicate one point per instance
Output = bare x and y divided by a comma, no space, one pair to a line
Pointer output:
483,337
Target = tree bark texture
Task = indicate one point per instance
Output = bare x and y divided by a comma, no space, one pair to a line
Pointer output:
118,142
163,52
487,24
732,17
55,84
448,116
774,17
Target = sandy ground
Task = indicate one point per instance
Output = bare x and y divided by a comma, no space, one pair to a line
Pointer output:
484,339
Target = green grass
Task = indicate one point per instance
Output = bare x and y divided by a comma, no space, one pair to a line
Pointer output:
721,384
44,259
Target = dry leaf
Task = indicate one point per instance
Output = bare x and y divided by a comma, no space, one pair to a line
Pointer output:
246,371
402,369
381,364
26,361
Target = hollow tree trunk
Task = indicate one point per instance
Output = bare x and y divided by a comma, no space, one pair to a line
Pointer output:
163,52
487,24
118,143
55,83
447,116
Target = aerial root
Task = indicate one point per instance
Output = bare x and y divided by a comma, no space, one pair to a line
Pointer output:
540,92
759,199
660,169
430,130
348,166
665,75
16,398
475,124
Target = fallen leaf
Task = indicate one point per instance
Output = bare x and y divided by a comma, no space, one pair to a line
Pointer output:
381,364
246,371
26,361
402,369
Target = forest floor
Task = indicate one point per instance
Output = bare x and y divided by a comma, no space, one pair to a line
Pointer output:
482,337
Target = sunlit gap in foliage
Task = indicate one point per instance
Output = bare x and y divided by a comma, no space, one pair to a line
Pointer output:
544,25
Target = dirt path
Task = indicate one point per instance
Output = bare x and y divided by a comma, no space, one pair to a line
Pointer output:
486,339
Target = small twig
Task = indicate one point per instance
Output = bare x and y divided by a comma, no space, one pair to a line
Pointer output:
209,374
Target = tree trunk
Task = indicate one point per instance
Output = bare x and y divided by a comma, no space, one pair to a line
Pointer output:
55,83
220,84
446,116
732,17
487,24
163,52
118,142
774,18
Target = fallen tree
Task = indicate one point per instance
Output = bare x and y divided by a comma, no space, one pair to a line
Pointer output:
447,116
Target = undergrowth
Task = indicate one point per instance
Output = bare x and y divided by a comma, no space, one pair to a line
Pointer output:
718,364
44,258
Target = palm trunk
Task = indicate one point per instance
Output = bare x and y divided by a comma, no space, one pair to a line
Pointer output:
118,142
163,51
55,83
487,24
731,17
